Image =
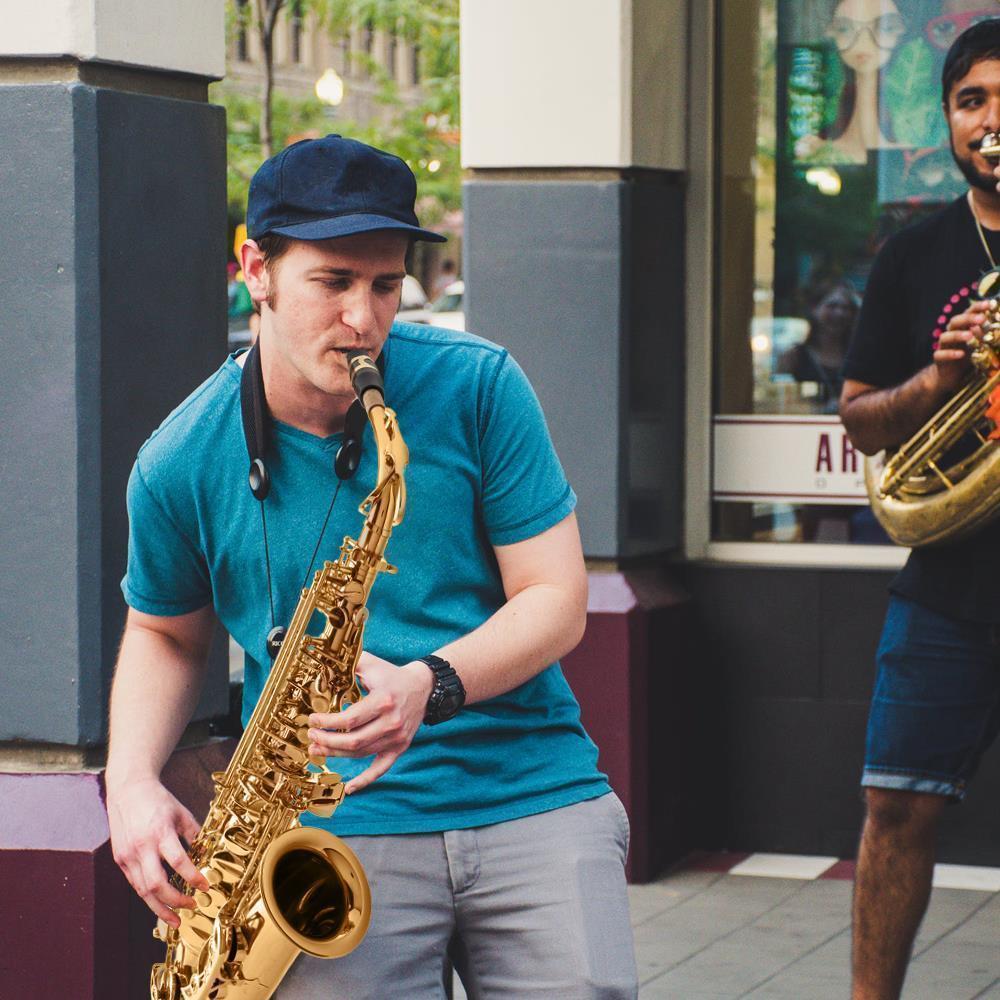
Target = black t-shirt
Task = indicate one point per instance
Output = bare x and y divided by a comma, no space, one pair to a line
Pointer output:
920,278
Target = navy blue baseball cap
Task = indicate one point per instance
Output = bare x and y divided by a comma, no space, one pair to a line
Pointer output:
318,189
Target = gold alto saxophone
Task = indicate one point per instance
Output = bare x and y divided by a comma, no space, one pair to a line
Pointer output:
277,888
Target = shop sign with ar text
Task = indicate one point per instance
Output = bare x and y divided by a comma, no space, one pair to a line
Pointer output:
785,459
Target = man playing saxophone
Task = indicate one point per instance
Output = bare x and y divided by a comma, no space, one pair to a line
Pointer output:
936,706
490,830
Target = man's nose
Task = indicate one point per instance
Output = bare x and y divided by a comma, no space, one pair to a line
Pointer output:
991,116
359,309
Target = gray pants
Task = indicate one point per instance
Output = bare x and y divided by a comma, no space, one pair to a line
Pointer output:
533,907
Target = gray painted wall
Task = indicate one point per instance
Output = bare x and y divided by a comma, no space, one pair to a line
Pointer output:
789,658
583,282
112,293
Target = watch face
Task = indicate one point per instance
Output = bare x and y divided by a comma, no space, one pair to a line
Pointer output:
447,696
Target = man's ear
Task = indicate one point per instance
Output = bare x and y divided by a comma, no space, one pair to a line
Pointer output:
255,274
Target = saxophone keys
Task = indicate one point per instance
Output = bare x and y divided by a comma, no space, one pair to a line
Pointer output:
319,694
295,756
320,703
212,876
195,930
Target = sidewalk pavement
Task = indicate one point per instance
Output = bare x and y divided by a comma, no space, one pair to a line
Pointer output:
707,933
716,935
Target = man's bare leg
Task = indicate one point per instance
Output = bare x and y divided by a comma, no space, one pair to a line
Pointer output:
891,887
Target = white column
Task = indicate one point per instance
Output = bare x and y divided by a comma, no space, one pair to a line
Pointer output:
574,83
181,35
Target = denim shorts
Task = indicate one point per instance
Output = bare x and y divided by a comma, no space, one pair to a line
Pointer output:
936,705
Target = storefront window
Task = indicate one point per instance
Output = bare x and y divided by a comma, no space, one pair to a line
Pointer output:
830,137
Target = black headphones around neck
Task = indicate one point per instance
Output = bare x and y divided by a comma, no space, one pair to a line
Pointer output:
256,432
256,427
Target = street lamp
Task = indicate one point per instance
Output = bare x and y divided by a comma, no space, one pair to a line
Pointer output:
330,88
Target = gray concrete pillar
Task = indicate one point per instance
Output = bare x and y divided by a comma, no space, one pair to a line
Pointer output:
112,294
573,128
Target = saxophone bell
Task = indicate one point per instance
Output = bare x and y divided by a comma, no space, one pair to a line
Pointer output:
316,893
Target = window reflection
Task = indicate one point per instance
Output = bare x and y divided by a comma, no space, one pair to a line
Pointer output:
816,359
830,139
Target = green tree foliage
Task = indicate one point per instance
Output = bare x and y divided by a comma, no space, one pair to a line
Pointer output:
290,116
426,135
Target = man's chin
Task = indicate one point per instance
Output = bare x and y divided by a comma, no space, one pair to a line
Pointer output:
337,387
982,180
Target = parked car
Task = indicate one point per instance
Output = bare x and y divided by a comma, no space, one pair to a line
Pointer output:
239,337
413,295
446,310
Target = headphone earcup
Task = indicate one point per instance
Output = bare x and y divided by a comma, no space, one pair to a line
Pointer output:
349,453
260,481
348,458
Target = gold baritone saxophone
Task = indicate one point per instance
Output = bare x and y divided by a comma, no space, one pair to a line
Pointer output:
943,484
276,887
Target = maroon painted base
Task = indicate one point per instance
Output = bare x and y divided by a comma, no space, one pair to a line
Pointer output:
70,924
632,676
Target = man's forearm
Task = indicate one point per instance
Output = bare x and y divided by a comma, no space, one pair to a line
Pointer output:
533,629
881,418
156,687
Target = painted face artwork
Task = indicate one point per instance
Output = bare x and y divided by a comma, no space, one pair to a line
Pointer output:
865,32
941,31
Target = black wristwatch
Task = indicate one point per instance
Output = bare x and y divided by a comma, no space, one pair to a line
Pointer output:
448,694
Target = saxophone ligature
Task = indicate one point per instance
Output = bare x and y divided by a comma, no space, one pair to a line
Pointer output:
944,482
278,888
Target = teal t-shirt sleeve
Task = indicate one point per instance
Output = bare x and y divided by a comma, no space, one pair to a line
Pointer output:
166,574
525,490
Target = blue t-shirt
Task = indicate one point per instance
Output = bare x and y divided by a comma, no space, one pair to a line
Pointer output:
482,472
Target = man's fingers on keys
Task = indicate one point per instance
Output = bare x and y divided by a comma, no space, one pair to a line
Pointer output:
174,854
190,827
158,886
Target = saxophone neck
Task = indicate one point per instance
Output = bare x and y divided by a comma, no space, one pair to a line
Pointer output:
389,494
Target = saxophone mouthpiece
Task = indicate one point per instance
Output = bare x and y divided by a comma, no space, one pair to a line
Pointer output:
366,379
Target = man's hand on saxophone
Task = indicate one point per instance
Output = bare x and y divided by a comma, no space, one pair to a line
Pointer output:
878,417
546,584
382,723
147,823
951,356
159,674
